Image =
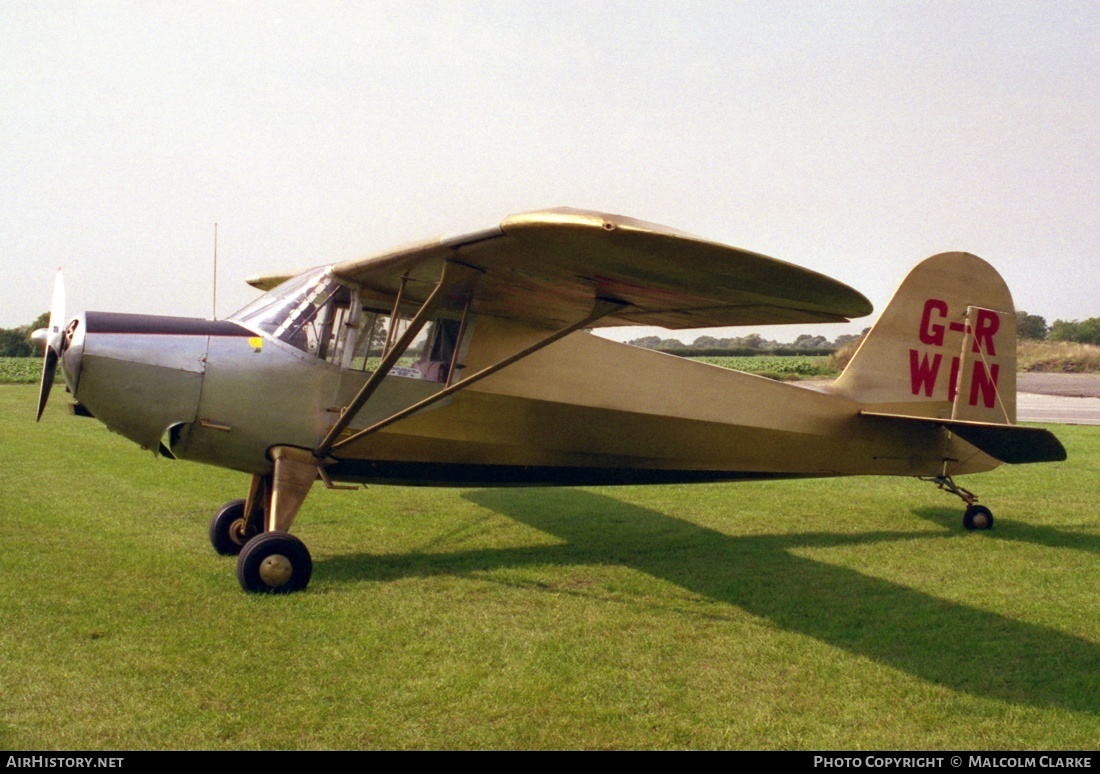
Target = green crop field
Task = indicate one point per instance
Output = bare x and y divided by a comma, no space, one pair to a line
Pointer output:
776,366
833,614
20,370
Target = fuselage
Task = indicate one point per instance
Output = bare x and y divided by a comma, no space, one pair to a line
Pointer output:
584,410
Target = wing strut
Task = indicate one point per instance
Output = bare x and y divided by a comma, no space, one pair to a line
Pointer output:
452,274
602,308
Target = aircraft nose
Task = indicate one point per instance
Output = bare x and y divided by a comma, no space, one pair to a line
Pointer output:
138,374
73,352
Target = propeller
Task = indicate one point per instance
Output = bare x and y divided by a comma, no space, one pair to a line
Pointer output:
54,340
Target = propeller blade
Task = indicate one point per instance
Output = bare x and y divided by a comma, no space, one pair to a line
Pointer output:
57,314
55,340
49,370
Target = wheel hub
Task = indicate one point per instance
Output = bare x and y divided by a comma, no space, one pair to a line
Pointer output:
276,570
236,532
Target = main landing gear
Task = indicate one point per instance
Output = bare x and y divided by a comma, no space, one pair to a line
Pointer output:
255,529
228,529
976,516
274,562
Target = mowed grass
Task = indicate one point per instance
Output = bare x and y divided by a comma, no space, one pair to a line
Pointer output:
851,614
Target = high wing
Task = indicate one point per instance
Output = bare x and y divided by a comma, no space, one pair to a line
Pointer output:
550,268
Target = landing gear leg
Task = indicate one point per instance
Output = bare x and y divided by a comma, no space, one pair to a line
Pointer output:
976,516
275,561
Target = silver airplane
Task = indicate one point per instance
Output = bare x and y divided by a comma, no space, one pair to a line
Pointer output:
464,361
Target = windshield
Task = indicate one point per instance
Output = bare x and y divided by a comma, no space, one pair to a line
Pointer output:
301,311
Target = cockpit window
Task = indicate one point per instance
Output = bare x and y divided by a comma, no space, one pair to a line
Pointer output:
314,312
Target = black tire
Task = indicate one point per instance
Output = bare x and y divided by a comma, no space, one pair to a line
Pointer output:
227,533
274,562
978,517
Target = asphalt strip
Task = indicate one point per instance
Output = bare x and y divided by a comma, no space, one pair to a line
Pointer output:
1057,409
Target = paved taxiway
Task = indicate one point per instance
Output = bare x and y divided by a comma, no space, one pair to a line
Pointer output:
1050,399
1057,409
1065,399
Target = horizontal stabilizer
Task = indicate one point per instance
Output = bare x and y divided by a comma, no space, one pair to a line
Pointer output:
1008,443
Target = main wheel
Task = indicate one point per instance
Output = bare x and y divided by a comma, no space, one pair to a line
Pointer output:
274,562
978,517
227,529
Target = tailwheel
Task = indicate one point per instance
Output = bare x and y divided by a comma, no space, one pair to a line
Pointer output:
274,562
977,517
228,529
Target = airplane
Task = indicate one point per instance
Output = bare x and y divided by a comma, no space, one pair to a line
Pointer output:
467,360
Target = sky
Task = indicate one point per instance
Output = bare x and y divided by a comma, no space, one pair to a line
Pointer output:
853,138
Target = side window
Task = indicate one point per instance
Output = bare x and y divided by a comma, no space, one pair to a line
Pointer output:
442,343
374,329
327,337
428,357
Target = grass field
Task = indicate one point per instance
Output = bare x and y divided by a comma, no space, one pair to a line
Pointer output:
1058,356
850,614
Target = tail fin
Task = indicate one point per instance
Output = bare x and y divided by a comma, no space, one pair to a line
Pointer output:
945,346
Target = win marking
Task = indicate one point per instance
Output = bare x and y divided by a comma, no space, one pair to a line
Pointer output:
924,371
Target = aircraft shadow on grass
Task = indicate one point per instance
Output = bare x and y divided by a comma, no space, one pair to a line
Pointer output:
962,648
1021,532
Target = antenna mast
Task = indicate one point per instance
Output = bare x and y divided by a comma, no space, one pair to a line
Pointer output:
215,270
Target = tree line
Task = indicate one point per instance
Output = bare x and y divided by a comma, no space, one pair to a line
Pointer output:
16,342
1029,327
1033,327
752,344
